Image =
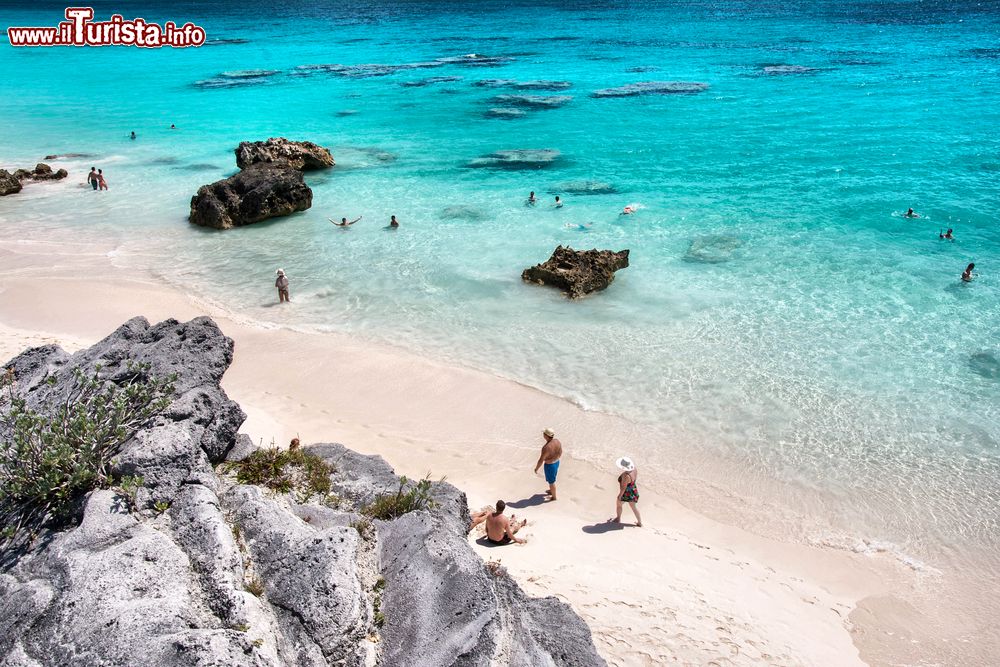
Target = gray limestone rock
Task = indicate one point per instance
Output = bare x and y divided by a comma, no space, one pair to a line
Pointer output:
219,574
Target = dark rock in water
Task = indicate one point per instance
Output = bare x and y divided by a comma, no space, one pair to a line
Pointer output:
523,85
257,193
67,156
41,172
533,101
987,52
420,83
578,272
223,41
463,213
642,68
346,112
301,155
986,364
9,183
198,166
237,78
168,160
653,88
526,158
172,587
778,70
505,114
585,188
712,249
363,157
362,71
475,60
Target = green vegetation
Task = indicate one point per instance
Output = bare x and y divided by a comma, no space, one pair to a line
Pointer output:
394,505
378,615
50,459
161,506
286,470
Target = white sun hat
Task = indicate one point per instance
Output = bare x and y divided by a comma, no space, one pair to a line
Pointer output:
625,463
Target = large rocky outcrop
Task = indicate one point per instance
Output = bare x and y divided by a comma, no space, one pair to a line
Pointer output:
217,573
301,155
578,272
254,194
9,183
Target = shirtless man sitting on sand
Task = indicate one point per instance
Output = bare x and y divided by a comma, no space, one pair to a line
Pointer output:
499,529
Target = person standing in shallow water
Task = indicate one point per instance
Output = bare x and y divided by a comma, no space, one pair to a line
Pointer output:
393,223
103,184
628,490
92,177
281,282
551,453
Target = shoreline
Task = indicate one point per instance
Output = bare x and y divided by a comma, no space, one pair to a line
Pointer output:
684,587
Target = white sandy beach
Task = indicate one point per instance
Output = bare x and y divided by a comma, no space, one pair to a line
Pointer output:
684,589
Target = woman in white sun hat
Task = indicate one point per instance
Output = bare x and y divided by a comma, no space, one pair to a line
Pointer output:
628,490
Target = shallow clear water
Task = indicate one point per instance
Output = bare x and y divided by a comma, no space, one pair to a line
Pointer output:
779,315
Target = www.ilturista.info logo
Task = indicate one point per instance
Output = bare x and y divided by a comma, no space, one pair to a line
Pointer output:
79,29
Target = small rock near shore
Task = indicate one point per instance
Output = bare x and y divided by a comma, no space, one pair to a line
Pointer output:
578,272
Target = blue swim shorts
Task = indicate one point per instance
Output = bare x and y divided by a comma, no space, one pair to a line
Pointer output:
551,469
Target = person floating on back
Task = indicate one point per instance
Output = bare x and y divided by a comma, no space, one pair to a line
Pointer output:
343,221
946,235
911,214
281,282
500,529
102,184
92,177
628,490
551,453
968,275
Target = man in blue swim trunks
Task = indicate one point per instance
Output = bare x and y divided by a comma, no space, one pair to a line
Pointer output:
551,453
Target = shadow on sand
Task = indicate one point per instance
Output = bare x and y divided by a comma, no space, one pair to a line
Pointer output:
533,501
603,527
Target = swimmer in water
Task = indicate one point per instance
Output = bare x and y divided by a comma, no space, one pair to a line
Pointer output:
531,198
911,214
628,210
946,235
133,135
558,202
344,223
578,226
393,223
968,275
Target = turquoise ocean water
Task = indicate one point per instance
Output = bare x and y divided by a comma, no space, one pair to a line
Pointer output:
779,317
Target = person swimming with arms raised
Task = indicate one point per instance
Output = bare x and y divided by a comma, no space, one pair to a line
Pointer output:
946,235
344,223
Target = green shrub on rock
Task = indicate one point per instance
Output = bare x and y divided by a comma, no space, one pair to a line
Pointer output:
49,459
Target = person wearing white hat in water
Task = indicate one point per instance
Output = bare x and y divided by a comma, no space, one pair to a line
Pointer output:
281,282
628,490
